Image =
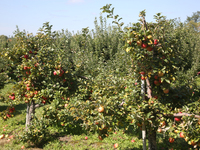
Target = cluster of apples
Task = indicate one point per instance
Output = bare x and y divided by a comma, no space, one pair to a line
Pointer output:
12,96
27,69
147,43
58,71
158,81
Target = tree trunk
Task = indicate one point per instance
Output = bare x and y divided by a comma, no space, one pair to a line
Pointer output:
152,140
144,136
30,113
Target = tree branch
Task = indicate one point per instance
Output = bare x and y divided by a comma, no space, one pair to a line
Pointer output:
179,115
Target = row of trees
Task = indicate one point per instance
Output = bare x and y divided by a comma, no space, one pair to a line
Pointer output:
94,78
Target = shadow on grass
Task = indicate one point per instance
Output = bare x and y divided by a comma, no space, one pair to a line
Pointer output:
18,108
164,144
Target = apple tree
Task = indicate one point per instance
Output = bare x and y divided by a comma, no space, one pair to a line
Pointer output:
41,76
155,54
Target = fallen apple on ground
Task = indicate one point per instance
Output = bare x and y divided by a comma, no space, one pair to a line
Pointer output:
116,145
2,136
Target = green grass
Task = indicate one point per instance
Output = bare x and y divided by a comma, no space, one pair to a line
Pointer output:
7,88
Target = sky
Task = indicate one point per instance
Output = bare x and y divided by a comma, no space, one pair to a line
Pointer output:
73,15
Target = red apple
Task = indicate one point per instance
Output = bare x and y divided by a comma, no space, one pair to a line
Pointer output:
25,67
166,91
155,42
101,109
177,119
36,65
143,78
156,97
156,77
26,56
144,45
28,88
8,115
142,73
12,97
11,137
86,138
132,141
43,101
11,110
116,145
23,147
193,143
149,48
54,73
156,82
36,92
160,81
162,123
182,135
28,72
171,140
44,98
159,130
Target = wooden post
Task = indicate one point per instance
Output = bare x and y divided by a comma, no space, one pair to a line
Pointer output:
143,123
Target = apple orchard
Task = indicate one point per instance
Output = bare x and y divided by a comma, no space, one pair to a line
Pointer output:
146,94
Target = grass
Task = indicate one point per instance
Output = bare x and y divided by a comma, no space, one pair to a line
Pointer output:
62,140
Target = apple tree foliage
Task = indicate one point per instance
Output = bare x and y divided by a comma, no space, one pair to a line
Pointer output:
41,77
5,74
155,52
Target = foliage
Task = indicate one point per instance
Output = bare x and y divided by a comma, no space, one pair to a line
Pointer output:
156,53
